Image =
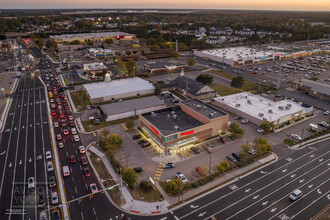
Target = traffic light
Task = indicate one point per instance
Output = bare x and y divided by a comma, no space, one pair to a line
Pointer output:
68,204
102,191
91,196
54,208
80,200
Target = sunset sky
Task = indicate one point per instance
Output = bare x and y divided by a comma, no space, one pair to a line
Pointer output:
312,5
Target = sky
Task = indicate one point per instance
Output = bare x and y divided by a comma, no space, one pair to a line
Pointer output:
304,5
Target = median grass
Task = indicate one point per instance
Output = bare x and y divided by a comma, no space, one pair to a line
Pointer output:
80,100
224,90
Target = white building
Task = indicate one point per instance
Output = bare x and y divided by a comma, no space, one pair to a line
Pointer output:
257,108
236,56
99,52
95,68
118,89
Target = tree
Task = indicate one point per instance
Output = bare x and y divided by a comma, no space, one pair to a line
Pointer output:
172,187
130,177
155,48
225,165
237,82
191,62
40,42
237,131
114,139
75,42
49,44
130,124
267,126
108,41
220,168
245,147
146,186
254,37
262,145
90,42
204,78
130,65
157,90
175,54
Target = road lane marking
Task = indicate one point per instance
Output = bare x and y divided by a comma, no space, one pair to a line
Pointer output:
94,211
247,190
82,216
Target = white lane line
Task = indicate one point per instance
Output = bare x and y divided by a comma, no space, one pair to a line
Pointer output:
287,195
308,205
80,167
82,216
86,186
15,163
94,211
216,200
282,186
75,189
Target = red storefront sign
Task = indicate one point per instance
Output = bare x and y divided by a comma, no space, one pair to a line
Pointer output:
187,133
156,132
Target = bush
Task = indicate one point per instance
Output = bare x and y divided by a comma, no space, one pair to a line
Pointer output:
194,185
146,186
237,131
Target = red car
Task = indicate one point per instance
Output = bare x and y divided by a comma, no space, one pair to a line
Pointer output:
222,139
70,117
71,123
53,113
254,72
62,115
72,159
87,171
60,144
84,160
68,112
65,131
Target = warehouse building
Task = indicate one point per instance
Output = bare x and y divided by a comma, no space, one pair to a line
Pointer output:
180,126
238,56
130,108
67,38
316,89
257,109
164,66
99,92
100,52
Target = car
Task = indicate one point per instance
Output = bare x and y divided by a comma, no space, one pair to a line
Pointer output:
141,141
138,169
65,131
88,107
52,105
53,113
51,100
136,136
50,166
93,187
48,154
56,124
43,215
182,177
70,117
244,121
59,107
175,100
56,215
72,159
59,137
296,194
200,171
63,122
76,138
237,117
82,149
68,112
83,160
73,131
145,144
295,137
168,165
30,183
87,172
326,112
237,157
54,198
62,115
195,150
97,121
52,181
208,148
71,123
60,144
324,124
222,139
231,158
260,130
41,202
252,151
232,137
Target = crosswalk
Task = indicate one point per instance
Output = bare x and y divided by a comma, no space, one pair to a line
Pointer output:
159,172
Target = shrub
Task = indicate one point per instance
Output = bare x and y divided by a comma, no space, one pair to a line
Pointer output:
146,186
194,185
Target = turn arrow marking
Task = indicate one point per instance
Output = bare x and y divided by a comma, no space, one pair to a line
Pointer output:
310,186
201,214
321,159
265,203
248,190
300,181
319,191
273,210
194,206
283,171
20,162
255,197
30,160
312,155
10,164
293,175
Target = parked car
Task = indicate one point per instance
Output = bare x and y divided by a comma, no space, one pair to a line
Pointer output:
195,150
324,124
296,194
231,158
326,112
237,157
222,139
168,165
179,175
232,137
200,171
237,117
138,169
208,148
251,151
136,136
50,166
97,121
141,141
295,137
145,144
260,130
244,121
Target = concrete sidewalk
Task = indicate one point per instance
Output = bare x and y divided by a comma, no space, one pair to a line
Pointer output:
141,207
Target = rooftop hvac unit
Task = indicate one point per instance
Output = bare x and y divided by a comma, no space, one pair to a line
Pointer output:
270,111
238,105
175,116
176,127
198,106
289,105
204,106
172,112
211,114
261,114
168,116
249,101
281,107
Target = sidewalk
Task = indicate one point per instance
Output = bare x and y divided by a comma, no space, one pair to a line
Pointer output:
141,207
311,141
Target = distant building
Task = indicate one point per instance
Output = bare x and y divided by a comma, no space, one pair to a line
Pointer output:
99,92
95,68
164,66
92,36
316,89
100,52
65,47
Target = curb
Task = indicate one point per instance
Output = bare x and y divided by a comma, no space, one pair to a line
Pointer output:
4,114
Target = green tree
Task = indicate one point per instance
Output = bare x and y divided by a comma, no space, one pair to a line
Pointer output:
146,186
75,42
108,41
236,130
262,145
130,124
267,126
114,139
191,62
130,66
155,48
49,44
205,78
175,54
225,165
246,147
220,168
172,187
90,42
237,82
254,37
40,42
130,177
157,90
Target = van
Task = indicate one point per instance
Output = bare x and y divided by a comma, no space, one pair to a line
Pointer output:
66,171
295,195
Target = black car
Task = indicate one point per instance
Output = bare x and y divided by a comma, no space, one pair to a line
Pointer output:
195,150
138,169
42,202
136,136
56,215
52,181
142,141
237,117
237,157
232,137
231,158
145,144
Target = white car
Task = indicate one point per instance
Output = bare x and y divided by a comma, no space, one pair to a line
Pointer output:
43,215
54,198
31,183
260,130
82,149
244,121
252,151
295,136
50,166
326,112
295,194
179,175
76,138
48,155
93,188
73,131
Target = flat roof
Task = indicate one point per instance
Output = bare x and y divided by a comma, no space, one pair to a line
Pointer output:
90,35
204,109
316,86
116,87
166,119
237,53
94,66
254,105
131,105
160,64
